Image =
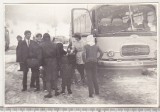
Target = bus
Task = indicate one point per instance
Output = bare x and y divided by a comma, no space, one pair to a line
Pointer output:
127,34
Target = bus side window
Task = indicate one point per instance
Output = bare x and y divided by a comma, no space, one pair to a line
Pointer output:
138,21
117,22
88,24
105,21
151,21
104,25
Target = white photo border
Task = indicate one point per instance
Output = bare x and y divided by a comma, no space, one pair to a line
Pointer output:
2,60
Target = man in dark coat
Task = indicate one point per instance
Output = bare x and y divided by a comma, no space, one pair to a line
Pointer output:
30,50
49,64
18,49
38,39
35,79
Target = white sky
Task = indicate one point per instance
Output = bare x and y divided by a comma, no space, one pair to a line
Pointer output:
40,18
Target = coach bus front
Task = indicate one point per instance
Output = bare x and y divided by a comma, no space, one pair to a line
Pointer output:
127,34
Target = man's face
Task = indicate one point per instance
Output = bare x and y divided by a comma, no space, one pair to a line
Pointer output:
38,38
18,39
28,35
138,19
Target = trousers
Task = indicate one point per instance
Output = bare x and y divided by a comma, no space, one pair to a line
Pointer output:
67,74
43,76
50,69
80,68
21,66
91,72
34,76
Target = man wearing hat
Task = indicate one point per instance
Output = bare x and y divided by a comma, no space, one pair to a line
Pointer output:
30,52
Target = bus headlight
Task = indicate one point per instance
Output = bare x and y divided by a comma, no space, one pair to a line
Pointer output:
110,54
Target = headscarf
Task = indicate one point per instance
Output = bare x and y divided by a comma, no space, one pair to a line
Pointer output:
90,40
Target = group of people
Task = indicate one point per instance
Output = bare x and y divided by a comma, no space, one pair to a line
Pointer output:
50,59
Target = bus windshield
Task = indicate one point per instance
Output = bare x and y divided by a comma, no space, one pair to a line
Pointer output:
127,19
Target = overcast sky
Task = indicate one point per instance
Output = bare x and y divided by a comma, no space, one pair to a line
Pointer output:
40,18
47,13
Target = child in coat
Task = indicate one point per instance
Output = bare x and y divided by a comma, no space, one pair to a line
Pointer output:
66,71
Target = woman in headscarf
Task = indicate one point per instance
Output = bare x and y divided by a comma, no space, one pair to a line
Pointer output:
90,53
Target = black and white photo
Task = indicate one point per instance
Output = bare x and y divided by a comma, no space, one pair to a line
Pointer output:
81,54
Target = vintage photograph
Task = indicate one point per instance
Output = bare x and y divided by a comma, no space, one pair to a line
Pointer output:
81,54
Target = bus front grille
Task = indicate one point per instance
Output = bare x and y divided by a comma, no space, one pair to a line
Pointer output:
135,50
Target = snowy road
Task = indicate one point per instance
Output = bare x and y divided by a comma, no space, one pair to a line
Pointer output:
116,87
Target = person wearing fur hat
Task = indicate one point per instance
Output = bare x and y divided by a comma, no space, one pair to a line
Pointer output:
49,64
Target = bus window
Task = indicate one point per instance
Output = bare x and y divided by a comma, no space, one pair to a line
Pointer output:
151,21
126,19
144,17
112,19
105,22
108,25
138,21
81,21
104,25
117,22
88,23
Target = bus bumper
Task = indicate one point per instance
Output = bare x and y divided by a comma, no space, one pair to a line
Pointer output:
128,64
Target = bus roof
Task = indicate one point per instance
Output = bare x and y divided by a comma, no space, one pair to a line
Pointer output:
98,6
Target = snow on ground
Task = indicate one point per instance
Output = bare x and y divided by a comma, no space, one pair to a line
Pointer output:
116,87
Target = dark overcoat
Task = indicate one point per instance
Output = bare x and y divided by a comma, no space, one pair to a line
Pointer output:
18,51
49,60
31,51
